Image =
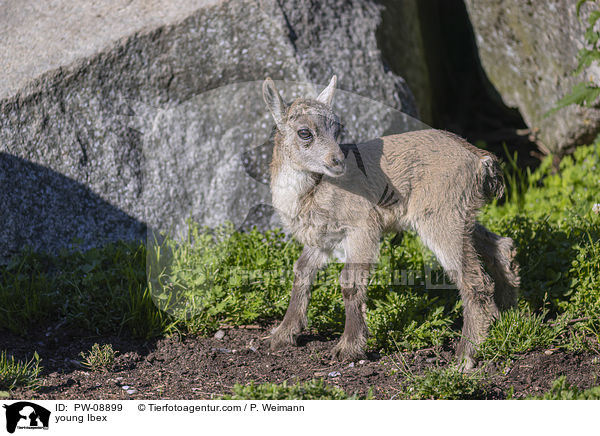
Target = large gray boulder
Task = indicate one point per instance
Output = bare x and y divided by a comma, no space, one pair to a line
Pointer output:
338,37
402,39
529,50
118,116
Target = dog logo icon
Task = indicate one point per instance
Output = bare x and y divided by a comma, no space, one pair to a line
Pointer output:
26,415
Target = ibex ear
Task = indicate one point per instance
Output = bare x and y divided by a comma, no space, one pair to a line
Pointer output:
273,100
326,96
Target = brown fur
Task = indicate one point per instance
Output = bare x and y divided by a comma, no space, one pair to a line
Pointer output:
429,181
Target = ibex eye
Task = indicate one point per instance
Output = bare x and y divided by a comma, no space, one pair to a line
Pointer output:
304,134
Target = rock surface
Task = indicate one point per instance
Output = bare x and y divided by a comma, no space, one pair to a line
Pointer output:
38,37
402,40
339,37
529,51
121,115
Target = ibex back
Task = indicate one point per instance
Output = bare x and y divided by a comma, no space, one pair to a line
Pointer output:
429,181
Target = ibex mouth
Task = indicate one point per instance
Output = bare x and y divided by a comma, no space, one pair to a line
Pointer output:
336,171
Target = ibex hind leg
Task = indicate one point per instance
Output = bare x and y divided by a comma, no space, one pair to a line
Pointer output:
498,254
452,243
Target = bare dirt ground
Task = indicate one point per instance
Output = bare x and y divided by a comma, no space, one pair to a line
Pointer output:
204,368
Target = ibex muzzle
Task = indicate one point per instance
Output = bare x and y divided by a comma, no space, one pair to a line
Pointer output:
429,181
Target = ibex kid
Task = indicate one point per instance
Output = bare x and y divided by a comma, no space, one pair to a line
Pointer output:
429,181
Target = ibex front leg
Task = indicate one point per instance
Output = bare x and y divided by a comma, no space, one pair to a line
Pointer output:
361,252
308,264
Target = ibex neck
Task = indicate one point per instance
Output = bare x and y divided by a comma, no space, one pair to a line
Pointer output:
290,186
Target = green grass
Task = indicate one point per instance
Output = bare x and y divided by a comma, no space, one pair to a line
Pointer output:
219,276
99,358
518,331
315,389
16,373
102,290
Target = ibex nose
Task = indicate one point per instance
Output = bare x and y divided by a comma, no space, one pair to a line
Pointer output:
337,166
336,162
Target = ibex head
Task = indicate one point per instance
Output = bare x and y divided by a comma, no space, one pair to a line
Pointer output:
308,130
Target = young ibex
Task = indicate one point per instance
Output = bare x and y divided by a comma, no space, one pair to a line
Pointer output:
429,181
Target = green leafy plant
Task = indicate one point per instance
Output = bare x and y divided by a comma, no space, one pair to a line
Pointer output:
443,384
99,358
315,389
562,390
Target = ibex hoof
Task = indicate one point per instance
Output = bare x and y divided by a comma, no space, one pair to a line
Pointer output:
467,364
347,352
282,338
464,356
